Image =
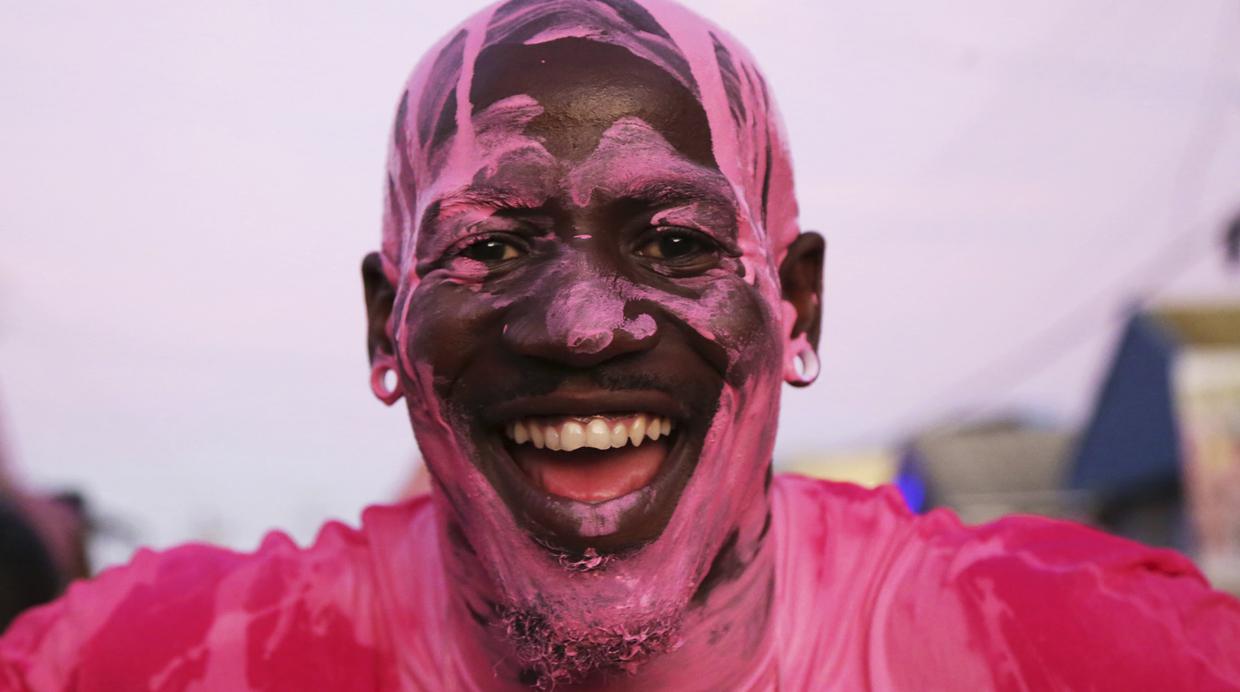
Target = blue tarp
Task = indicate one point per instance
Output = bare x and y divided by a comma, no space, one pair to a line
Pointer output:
1132,442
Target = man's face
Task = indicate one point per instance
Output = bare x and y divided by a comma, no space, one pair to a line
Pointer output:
590,332
582,300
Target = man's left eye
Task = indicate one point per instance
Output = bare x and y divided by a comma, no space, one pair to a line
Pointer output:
491,251
677,245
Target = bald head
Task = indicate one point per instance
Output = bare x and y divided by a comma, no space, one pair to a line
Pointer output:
584,65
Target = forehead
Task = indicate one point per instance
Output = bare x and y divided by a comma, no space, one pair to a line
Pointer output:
583,88
591,63
571,117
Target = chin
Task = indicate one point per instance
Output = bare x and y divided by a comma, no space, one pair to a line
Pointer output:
590,559
554,650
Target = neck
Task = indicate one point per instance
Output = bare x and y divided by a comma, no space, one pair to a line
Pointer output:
728,636
724,638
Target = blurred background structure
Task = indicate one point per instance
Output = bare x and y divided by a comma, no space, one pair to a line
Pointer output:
1027,209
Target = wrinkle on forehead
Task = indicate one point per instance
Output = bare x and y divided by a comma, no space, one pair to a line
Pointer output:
745,132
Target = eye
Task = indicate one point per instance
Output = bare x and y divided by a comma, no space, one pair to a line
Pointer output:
491,250
678,246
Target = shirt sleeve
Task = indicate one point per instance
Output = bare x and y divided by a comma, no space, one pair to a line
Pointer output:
201,617
1055,605
145,621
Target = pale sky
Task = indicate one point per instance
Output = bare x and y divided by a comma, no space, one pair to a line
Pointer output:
189,188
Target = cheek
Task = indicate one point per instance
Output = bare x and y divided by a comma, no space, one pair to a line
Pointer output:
732,315
444,325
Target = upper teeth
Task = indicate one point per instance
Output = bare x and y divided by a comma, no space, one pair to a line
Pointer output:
599,432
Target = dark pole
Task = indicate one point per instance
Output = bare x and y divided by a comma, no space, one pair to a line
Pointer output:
1231,239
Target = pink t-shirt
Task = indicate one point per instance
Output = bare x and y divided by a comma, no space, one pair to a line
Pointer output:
868,596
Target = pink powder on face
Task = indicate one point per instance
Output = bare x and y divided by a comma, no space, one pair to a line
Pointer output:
640,327
586,317
603,519
591,312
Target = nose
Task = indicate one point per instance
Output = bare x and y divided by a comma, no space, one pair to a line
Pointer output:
582,322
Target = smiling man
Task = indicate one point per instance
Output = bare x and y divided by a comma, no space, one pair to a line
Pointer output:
591,288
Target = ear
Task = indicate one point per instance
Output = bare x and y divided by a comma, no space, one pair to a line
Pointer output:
379,298
800,278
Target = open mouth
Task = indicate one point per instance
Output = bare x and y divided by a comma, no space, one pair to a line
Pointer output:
590,459
592,470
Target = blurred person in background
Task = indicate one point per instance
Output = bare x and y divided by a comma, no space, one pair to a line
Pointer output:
591,288
42,543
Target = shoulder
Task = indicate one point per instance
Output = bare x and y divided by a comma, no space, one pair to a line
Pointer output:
204,614
1029,549
823,518
1010,604
811,501
1038,592
1048,604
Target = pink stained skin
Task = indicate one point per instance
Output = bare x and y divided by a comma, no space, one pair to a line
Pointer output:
643,127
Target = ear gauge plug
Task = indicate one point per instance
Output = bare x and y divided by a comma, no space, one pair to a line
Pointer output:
801,364
384,381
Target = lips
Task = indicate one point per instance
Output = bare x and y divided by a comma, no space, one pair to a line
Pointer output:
598,470
590,459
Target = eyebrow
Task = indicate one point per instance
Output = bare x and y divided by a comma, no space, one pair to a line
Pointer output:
680,190
705,186
472,197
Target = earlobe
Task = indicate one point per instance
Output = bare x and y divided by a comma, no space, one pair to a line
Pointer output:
800,362
801,285
384,380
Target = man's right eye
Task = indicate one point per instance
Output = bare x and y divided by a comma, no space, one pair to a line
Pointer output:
491,250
